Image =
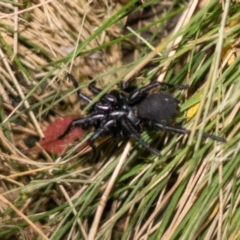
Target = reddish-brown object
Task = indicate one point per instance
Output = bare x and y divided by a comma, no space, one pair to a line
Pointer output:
59,147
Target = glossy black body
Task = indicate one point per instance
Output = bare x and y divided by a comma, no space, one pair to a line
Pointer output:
129,111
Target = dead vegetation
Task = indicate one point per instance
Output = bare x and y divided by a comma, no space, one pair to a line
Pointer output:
192,192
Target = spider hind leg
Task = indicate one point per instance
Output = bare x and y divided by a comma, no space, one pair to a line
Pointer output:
185,131
134,134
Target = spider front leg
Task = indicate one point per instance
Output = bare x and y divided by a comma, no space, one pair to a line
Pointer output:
99,133
88,121
92,87
108,99
127,87
138,94
184,131
81,96
91,141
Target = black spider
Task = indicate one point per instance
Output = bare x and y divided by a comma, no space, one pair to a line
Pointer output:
128,112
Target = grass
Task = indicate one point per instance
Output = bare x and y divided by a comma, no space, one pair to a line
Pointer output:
192,192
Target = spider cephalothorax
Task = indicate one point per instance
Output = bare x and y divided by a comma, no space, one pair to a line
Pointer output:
129,111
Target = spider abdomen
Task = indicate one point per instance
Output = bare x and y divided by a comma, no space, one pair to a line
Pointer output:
161,106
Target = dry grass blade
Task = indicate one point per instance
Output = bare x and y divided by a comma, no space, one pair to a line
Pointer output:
103,200
3,199
50,188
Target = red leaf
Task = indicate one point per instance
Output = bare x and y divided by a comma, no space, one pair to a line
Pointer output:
59,147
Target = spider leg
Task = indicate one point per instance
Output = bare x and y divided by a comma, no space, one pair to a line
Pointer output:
101,131
81,95
108,98
92,87
88,121
91,140
139,93
185,131
126,87
134,134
